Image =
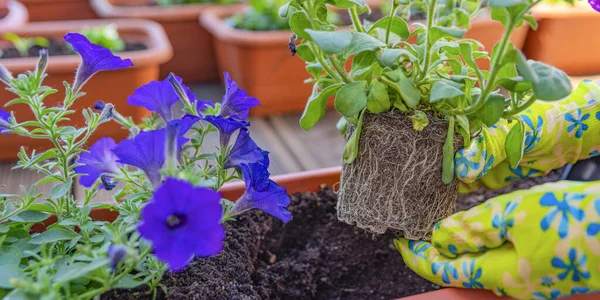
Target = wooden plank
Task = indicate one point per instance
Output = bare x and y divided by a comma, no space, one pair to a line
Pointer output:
320,147
13,179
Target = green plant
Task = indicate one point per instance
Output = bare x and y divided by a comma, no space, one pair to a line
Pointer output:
23,44
106,36
262,16
436,73
179,2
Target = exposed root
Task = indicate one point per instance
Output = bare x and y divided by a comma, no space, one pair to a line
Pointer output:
396,181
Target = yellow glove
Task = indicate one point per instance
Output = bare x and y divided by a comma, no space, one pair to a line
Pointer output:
541,243
557,134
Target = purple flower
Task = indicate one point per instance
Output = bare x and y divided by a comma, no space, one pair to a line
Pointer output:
185,94
244,151
226,127
262,193
147,150
236,102
5,75
4,121
94,59
116,253
99,105
98,161
182,221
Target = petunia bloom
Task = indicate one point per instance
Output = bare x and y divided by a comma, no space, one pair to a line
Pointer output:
147,150
185,95
236,102
98,161
183,221
262,193
4,121
226,127
94,59
244,151
116,254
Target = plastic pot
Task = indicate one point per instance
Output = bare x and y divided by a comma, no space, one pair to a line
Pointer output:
563,38
15,15
59,10
193,58
110,86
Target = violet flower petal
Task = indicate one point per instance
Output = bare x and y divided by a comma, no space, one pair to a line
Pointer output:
244,151
155,96
97,161
236,102
4,121
183,221
94,59
226,127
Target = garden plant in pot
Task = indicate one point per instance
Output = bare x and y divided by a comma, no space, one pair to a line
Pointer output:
407,108
169,209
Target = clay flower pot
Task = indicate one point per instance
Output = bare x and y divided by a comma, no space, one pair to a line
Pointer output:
310,181
563,39
193,59
59,10
260,61
14,15
110,86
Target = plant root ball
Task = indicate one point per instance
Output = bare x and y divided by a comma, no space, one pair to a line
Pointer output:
396,180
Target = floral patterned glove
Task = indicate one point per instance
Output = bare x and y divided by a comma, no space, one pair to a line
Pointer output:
541,243
556,134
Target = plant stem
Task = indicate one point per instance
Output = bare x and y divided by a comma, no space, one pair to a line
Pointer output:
355,19
430,17
390,21
323,63
527,104
340,68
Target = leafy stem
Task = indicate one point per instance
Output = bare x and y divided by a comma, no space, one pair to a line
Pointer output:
340,68
324,64
430,16
510,113
355,19
388,29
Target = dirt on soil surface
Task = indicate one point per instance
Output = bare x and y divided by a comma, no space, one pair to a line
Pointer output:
314,256
59,47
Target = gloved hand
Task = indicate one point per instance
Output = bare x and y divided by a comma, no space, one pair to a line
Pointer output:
557,134
541,243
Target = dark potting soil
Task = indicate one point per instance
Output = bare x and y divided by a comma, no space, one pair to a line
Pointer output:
314,256
59,47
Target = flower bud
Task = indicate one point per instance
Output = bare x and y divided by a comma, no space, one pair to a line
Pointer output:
171,146
99,105
180,91
5,75
292,45
42,62
107,182
116,254
107,113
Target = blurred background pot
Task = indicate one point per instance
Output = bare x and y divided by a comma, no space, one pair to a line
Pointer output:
13,13
59,10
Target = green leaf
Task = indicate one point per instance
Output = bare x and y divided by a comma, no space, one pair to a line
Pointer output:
342,125
362,42
492,110
316,106
467,53
351,148
362,63
516,84
61,190
351,98
505,3
532,22
29,216
4,228
348,3
299,24
389,57
378,100
129,282
552,83
405,87
305,53
41,207
331,42
8,272
525,69
10,255
419,120
399,26
78,269
284,10
448,161
444,89
69,222
438,33
53,235
515,144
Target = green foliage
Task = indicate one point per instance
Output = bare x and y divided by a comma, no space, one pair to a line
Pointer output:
429,67
263,15
182,2
23,44
105,36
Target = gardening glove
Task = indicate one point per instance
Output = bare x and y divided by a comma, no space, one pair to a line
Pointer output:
556,134
541,243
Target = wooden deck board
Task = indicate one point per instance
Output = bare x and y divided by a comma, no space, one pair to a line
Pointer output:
13,179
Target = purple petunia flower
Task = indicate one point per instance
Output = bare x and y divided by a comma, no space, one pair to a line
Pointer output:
226,127
147,150
236,102
4,121
94,59
244,151
182,221
98,161
116,254
262,193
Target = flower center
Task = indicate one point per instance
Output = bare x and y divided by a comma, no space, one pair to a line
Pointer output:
175,221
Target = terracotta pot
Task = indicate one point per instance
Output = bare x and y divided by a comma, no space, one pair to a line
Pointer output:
110,86
194,58
15,15
259,61
564,39
309,181
59,10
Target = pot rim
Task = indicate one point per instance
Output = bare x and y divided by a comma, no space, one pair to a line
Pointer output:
174,13
17,16
159,48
